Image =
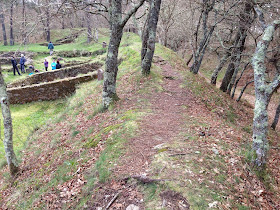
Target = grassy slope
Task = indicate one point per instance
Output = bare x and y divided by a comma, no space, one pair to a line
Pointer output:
28,117
79,44
68,154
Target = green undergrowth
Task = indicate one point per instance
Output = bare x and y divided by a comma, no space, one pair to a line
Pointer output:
115,145
27,118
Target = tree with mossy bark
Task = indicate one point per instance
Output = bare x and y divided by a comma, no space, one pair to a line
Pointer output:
263,93
117,23
8,128
149,37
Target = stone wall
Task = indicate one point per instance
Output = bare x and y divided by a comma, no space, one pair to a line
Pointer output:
52,75
47,91
80,53
5,57
5,61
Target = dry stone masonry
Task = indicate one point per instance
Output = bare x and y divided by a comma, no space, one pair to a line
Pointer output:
51,85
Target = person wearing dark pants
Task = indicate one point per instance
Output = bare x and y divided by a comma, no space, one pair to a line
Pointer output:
46,64
22,62
14,63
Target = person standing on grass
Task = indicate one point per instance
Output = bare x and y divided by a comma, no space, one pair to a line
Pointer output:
14,63
53,65
58,65
46,64
51,47
22,62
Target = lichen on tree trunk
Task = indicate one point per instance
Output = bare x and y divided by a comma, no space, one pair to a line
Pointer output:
263,93
150,37
110,75
8,128
117,23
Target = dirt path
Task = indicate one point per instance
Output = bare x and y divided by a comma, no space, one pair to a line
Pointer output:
158,128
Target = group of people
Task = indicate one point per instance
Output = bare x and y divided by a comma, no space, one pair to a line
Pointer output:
54,65
21,62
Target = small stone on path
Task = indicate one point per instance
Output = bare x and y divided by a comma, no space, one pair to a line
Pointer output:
132,207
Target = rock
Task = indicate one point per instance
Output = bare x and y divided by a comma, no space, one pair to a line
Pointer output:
215,151
201,133
213,205
160,146
100,74
132,207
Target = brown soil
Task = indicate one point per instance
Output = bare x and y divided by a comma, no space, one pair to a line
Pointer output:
165,123
161,126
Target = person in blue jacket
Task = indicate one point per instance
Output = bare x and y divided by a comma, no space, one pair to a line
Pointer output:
53,65
22,62
14,63
51,47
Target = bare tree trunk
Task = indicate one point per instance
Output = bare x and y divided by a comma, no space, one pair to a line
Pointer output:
276,118
12,42
219,68
243,90
236,70
89,31
8,128
151,42
96,36
207,34
23,23
189,60
235,59
63,22
232,70
145,37
2,19
237,81
201,52
48,30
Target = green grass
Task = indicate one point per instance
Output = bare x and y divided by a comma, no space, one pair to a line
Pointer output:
27,118
79,44
29,47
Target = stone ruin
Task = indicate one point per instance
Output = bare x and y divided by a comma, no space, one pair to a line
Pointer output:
51,85
79,53
5,57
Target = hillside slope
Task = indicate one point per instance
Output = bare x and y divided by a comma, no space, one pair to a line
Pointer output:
172,141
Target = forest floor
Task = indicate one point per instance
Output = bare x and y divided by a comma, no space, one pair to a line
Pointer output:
249,98
172,141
